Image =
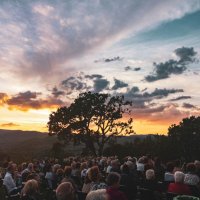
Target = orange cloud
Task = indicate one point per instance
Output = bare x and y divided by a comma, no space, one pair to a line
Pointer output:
25,101
3,98
10,124
158,119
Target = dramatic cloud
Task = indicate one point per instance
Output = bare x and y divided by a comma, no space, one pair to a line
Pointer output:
56,93
100,84
160,93
164,70
137,69
72,84
30,100
3,98
10,124
93,76
119,84
140,99
181,98
109,59
186,55
39,37
188,105
161,113
127,68
84,83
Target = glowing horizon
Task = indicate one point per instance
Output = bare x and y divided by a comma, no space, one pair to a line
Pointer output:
147,51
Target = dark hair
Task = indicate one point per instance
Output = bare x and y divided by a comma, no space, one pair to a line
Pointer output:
10,167
125,169
190,167
113,178
147,166
157,162
177,163
94,174
170,166
67,171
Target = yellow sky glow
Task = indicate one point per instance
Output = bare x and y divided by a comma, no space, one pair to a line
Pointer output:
37,120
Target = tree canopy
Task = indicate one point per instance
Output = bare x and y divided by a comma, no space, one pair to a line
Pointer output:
186,137
93,119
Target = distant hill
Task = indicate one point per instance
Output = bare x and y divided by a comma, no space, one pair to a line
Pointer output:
23,145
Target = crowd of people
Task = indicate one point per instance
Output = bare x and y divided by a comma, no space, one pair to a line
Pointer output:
100,178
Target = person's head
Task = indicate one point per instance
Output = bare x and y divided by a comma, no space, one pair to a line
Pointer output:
93,174
133,160
170,167
83,165
179,177
30,167
113,179
197,164
30,188
190,167
97,195
78,165
130,165
73,165
24,165
157,162
141,160
34,176
115,163
147,167
11,168
60,172
65,191
125,168
55,168
177,163
150,174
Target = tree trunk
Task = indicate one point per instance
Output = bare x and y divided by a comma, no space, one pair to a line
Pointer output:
90,145
100,149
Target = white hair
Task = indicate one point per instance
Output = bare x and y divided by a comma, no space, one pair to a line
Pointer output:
150,174
179,177
97,195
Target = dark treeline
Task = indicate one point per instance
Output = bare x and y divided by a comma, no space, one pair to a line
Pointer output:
156,145
181,142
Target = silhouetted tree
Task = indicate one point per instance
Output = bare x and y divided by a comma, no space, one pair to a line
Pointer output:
186,137
93,119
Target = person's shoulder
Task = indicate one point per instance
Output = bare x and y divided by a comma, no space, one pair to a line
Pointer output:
172,185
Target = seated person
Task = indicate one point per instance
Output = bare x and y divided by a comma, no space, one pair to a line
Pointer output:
93,180
169,176
191,178
9,181
129,181
179,187
197,165
30,191
97,195
150,182
27,171
65,191
113,191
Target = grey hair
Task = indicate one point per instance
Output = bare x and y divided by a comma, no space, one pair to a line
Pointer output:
150,174
97,195
179,177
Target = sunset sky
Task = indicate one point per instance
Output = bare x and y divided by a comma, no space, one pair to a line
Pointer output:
51,50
